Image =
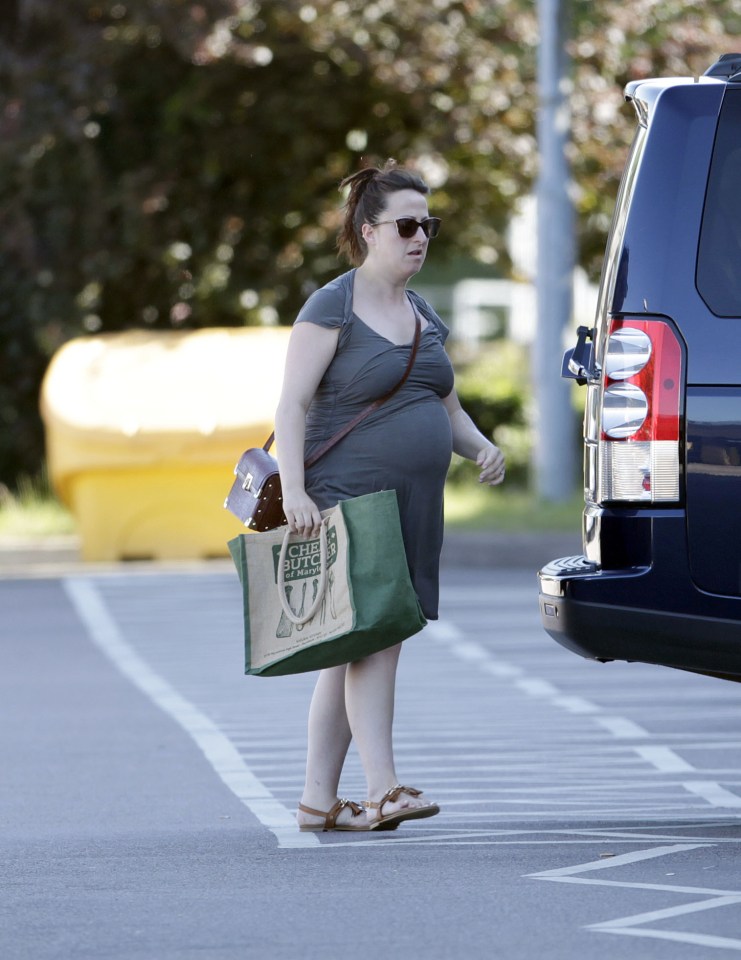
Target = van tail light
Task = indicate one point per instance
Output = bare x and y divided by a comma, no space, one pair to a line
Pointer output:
641,395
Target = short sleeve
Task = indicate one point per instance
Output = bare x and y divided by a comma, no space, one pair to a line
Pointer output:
326,307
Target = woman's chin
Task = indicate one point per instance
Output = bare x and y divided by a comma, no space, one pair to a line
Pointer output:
413,265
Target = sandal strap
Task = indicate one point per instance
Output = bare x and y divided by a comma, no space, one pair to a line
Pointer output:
337,809
330,816
391,795
312,811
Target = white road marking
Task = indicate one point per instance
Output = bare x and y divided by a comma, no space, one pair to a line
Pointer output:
471,652
629,797
622,791
576,705
635,857
697,939
629,926
622,728
217,748
535,687
713,792
501,669
661,757
664,759
633,925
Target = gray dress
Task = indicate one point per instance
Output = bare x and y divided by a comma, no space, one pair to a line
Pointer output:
405,445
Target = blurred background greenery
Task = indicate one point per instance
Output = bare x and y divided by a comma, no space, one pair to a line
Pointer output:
172,164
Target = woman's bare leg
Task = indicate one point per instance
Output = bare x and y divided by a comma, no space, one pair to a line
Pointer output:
370,687
329,740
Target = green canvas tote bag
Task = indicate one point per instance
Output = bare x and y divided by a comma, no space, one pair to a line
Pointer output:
310,604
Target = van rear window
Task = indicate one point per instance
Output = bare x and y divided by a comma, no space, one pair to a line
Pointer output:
719,256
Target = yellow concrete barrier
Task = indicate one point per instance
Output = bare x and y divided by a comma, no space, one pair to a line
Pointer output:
143,430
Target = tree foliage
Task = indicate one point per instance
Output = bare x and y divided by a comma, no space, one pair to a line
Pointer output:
170,163
614,43
175,163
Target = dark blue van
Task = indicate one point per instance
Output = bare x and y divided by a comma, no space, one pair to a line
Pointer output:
660,577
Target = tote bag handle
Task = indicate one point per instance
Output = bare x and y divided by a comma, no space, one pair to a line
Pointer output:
301,618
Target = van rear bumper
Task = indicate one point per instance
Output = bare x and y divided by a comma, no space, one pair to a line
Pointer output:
583,608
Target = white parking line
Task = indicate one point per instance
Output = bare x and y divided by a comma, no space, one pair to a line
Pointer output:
601,775
535,687
482,754
622,728
576,705
661,757
560,873
634,925
628,925
713,792
664,759
217,748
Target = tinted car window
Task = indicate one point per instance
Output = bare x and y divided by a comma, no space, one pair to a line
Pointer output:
719,257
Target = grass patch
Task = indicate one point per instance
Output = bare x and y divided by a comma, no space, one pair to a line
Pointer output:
472,507
33,512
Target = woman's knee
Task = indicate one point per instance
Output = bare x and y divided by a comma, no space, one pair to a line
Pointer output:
381,658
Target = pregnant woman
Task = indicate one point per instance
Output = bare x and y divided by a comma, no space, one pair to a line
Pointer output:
350,344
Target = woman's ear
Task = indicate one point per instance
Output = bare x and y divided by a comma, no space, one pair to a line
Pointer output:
368,233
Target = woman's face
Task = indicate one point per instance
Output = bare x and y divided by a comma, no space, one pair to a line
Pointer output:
401,257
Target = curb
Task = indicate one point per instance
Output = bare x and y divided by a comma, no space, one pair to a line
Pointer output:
494,550
60,556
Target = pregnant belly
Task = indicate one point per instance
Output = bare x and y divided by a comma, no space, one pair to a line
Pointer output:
409,446
416,440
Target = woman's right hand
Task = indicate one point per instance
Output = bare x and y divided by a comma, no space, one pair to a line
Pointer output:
302,514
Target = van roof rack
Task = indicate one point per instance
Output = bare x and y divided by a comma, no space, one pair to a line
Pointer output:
726,66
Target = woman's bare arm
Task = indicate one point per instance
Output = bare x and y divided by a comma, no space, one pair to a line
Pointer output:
310,351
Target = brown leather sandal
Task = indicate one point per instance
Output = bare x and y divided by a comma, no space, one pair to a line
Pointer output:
330,818
392,821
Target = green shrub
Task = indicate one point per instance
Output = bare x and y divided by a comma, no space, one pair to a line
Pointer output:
32,510
494,389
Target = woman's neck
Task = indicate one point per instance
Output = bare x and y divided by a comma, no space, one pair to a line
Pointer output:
383,288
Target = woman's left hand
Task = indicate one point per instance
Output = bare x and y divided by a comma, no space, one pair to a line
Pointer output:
491,461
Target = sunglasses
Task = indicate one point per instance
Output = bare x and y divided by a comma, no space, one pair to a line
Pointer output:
407,227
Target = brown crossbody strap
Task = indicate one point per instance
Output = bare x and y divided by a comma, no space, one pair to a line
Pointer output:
366,411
